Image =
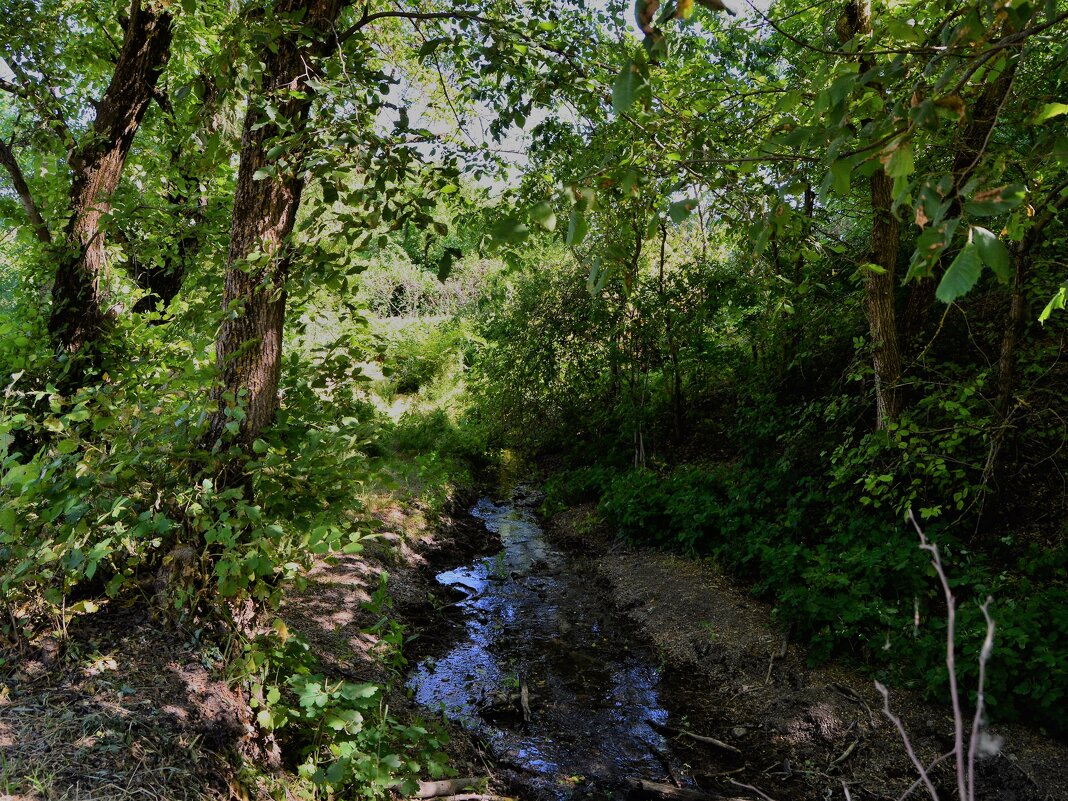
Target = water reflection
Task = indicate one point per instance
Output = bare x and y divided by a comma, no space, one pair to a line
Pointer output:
532,620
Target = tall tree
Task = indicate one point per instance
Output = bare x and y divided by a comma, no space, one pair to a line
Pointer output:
249,344
78,314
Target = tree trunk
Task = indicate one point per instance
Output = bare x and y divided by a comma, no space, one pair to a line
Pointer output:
880,301
879,287
1014,327
969,153
249,344
1050,206
78,315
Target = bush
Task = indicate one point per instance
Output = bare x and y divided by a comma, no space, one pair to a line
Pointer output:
423,352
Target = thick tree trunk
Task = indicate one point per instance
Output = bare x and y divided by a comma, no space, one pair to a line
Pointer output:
249,344
880,301
78,313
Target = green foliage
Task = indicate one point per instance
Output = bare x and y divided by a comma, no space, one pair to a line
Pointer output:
97,495
846,580
338,734
424,351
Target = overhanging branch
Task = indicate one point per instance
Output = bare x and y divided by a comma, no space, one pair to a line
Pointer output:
22,189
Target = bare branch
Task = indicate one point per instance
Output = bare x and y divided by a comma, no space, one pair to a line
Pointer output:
905,739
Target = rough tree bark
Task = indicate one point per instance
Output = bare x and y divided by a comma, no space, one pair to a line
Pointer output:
78,315
249,344
886,352
879,287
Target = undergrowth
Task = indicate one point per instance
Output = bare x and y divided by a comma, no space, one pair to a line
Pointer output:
851,581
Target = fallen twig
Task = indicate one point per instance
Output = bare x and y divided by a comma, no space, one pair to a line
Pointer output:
660,727
667,791
780,654
845,754
524,702
759,792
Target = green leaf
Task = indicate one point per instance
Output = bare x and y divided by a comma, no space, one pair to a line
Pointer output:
1049,111
430,46
450,255
544,216
510,230
961,275
597,278
993,252
899,162
576,228
841,172
1056,303
996,201
627,87
351,691
259,446
680,210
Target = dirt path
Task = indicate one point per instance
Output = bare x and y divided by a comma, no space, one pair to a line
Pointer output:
802,733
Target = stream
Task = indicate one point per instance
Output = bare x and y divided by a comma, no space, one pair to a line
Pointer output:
540,672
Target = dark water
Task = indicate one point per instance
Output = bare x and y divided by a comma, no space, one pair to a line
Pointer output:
534,620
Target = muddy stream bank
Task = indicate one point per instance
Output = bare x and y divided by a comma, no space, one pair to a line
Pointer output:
580,668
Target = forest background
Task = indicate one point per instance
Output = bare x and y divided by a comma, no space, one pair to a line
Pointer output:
757,285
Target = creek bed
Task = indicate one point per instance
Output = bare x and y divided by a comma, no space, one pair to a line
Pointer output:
541,671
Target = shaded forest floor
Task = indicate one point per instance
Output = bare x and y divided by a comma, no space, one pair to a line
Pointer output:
131,710
128,708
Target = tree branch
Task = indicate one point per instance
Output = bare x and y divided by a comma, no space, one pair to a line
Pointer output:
22,189
49,114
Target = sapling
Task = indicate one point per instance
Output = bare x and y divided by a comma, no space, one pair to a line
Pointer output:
979,743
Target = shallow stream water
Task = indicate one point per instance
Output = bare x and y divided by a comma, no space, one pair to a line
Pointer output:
534,621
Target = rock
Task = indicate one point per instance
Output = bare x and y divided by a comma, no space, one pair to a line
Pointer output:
739,732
